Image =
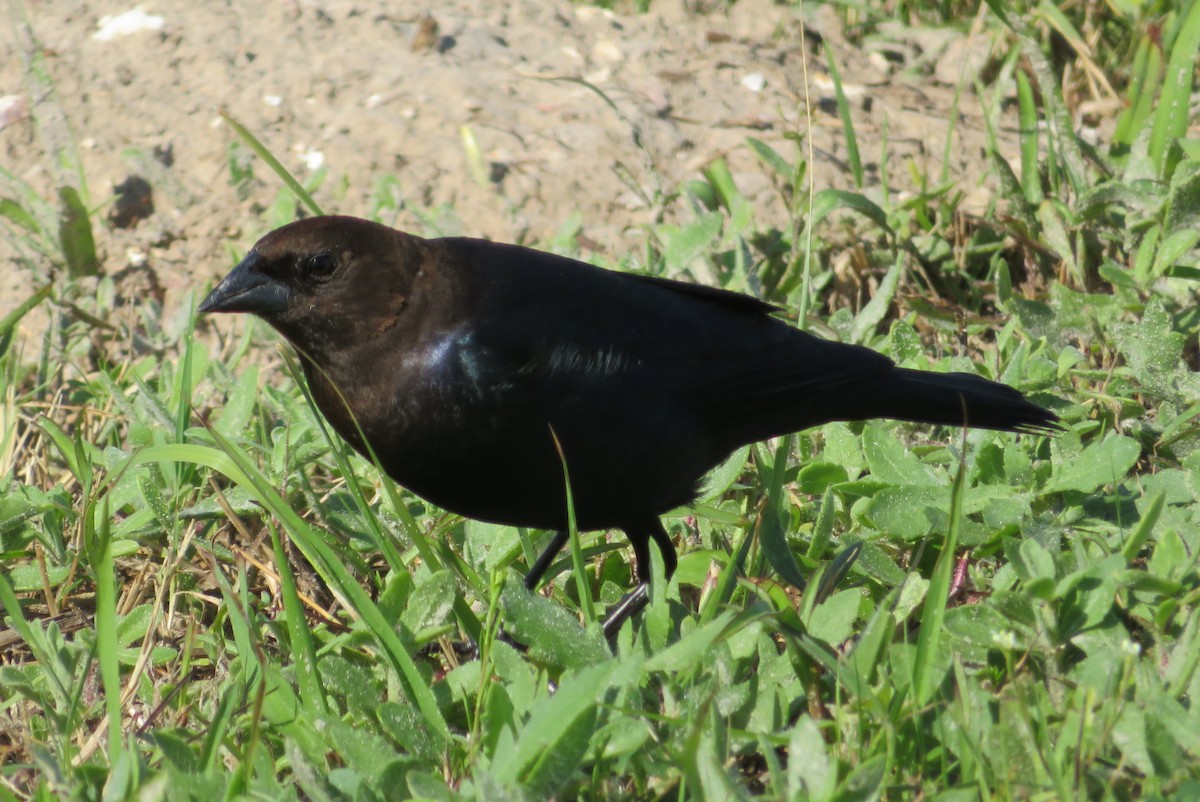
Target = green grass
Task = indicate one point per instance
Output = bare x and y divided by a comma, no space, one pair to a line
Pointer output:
209,597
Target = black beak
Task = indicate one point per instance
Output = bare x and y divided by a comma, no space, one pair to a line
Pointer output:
246,289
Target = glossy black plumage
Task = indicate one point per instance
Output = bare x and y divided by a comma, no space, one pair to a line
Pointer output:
456,359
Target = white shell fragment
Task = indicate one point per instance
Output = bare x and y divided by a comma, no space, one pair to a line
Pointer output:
115,25
754,82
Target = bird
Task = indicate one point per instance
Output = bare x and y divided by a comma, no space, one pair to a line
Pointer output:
486,378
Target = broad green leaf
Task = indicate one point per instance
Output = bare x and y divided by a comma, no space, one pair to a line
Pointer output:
687,244
75,234
890,461
811,774
1103,463
552,634
833,620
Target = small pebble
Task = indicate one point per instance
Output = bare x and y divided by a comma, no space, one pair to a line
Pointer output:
754,82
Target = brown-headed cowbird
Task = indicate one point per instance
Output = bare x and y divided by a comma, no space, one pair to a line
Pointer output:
461,361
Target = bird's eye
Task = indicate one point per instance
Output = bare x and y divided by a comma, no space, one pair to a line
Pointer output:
321,265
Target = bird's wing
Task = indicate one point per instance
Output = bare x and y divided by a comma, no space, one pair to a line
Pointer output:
742,356
733,301
752,376
712,354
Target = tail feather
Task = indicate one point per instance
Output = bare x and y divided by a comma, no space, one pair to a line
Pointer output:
959,399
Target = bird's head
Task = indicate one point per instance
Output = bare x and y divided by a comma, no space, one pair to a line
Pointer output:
323,282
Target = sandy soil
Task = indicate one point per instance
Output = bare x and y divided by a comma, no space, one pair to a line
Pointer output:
574,109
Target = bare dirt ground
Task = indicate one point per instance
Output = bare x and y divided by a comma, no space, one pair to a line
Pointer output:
573,109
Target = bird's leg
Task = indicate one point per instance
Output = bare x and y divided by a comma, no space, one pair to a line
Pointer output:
534,577
542,564
632,604
670,561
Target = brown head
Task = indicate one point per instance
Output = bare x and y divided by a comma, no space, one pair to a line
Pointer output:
325,283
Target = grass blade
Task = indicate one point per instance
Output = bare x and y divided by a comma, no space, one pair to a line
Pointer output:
310,542
577,562
843,105
1171,114
304,651
101,559
261,150
934,612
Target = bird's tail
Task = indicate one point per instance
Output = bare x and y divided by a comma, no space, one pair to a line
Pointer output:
956,399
